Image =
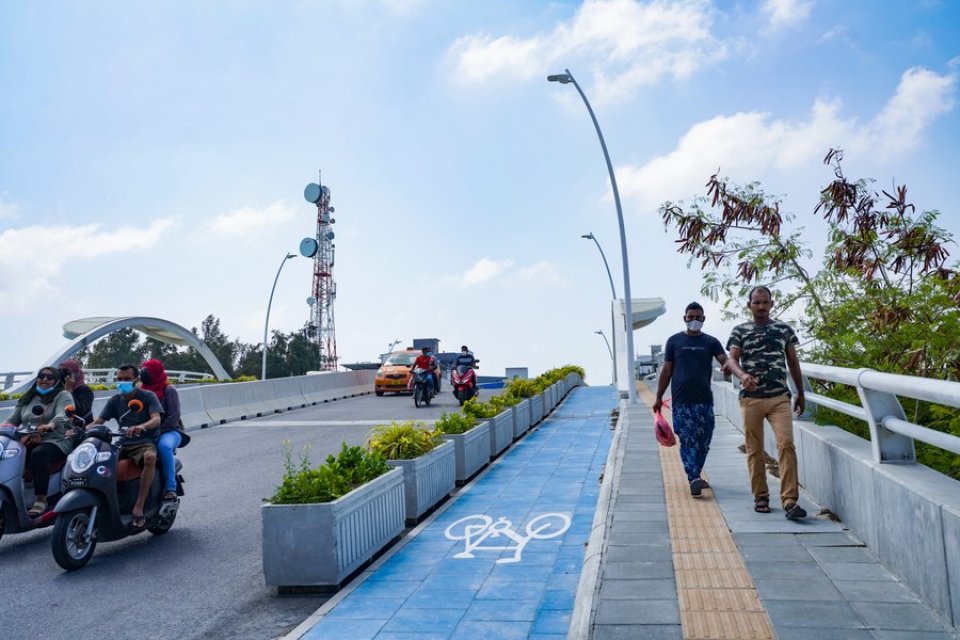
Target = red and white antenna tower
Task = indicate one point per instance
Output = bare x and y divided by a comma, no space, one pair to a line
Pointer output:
324,289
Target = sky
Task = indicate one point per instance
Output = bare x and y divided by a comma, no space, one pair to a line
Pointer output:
153,156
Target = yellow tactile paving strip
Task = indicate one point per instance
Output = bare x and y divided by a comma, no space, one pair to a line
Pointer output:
716,594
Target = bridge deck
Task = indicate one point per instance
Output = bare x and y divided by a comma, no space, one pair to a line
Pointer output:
672,566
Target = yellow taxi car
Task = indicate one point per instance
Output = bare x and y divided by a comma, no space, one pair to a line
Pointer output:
394,374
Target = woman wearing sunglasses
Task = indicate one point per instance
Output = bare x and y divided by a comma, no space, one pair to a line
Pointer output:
44,404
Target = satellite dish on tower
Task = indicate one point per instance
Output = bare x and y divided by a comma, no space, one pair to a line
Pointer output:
314,192
311,301
309,247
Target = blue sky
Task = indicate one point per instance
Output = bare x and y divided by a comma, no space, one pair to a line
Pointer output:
153,155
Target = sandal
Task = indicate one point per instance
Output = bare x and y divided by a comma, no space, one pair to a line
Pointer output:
761,505
37,509
169,496
138,522
794,512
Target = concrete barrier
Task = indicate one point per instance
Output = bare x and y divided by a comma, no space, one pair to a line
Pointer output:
908,514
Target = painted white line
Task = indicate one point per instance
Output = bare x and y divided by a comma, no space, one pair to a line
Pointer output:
312,423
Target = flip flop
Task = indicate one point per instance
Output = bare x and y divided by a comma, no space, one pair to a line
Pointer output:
138,522
169,496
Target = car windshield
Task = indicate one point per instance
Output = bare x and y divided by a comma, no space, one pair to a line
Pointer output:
401,359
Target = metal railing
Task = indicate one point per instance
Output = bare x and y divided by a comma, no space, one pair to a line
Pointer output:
100,376
891,434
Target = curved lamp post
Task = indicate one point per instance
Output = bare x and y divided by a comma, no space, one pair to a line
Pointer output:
612,357
613,292
567,78
266,323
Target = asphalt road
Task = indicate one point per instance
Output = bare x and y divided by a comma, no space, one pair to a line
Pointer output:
204,578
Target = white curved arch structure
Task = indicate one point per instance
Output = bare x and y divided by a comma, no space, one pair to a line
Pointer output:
85,331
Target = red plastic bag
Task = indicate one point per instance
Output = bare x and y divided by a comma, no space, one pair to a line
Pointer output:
662,430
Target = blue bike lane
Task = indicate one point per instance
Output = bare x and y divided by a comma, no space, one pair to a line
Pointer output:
503,559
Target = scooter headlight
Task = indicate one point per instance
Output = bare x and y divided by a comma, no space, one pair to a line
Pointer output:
83,458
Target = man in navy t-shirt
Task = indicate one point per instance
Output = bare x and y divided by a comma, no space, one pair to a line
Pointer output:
688,370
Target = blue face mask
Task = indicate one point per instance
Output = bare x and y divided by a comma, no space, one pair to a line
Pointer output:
42,391
125,387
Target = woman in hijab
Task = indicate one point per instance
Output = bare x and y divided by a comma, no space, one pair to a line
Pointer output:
44,404
153,377
72,376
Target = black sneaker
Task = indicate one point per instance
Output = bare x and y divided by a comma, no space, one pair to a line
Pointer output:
794,512
697,485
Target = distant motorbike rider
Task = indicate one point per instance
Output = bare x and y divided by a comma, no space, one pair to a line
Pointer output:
426,360
142,434
465,357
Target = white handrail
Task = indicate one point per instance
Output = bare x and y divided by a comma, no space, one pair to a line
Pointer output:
891,434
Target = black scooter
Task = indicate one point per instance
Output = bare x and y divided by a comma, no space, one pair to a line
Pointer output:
100,491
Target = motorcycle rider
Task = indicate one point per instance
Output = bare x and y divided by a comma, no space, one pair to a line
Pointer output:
426,360
50,443
143,432
153,377
465,357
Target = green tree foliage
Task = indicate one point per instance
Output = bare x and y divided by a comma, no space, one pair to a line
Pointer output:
882,297
120,347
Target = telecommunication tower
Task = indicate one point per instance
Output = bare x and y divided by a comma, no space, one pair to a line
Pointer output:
324,291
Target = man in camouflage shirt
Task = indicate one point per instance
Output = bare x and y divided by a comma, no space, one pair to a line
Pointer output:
766,349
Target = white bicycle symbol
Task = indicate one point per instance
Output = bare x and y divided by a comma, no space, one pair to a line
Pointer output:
479,528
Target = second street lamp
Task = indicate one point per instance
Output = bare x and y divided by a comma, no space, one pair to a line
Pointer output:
613,292
612,357
266,323
567,78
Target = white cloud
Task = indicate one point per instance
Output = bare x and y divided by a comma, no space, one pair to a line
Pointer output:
543,272
32,259
247,220
744,145
634,43
787,13
485,270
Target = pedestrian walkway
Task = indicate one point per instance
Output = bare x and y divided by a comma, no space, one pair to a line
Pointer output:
500,561
537,548
675,566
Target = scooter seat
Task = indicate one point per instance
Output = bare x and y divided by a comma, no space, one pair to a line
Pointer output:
127,469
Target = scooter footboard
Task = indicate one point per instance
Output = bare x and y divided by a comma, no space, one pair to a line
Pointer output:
76,499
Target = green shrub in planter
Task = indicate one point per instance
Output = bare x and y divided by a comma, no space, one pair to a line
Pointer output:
502,402
402,440
522,389
340,475
455,423
479,410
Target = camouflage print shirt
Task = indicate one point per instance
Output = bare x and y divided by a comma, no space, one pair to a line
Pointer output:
763,351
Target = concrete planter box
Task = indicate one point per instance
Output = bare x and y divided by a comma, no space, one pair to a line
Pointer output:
521,418
501,432
427,480
536,409
320,545
471,451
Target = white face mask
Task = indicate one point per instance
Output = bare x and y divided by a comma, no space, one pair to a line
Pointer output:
694,325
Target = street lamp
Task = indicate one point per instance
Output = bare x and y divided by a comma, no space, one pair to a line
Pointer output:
567,78
266,323
613,292
612,357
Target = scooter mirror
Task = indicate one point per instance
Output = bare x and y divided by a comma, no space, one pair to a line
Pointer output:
135,405
37,410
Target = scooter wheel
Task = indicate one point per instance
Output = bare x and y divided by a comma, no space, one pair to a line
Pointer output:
417,396
70,548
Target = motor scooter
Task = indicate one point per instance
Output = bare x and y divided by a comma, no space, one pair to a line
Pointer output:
100,492
463,378
423,390
17,492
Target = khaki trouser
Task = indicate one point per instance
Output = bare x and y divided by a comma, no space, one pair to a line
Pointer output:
779,414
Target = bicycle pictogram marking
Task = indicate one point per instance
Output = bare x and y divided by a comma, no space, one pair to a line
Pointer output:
480,533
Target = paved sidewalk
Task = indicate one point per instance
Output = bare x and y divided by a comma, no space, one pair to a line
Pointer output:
814,579
528,516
